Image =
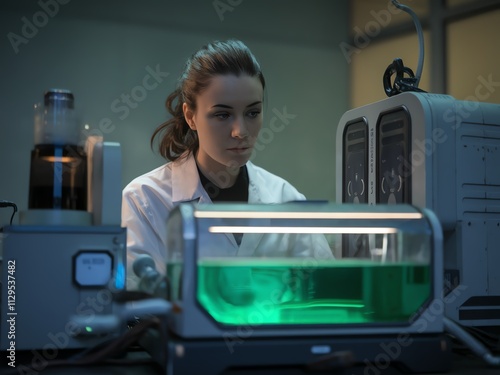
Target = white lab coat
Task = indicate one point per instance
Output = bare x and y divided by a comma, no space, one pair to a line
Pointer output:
149,199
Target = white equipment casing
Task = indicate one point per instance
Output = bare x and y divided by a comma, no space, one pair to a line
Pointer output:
58,272
436,152
60,264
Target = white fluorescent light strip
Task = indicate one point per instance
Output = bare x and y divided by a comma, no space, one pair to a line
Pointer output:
306,215
303,230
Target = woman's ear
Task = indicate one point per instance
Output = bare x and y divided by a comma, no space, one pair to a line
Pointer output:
189,116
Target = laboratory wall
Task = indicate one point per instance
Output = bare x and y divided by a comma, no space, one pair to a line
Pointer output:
470,52
121,59
474,58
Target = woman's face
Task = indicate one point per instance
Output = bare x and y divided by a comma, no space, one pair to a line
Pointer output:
228,119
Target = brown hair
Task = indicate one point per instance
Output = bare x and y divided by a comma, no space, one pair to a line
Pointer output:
216,58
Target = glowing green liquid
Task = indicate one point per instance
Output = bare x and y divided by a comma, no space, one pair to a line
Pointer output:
277,291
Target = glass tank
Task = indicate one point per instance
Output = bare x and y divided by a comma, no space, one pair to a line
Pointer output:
301,263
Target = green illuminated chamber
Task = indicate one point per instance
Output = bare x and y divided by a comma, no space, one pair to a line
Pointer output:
257,291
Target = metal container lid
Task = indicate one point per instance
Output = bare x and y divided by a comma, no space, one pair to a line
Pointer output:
61,97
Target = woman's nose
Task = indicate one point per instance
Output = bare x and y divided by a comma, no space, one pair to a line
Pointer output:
240,129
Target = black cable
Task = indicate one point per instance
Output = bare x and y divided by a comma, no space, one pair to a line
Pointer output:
106,352
476,346
405,79
420,34
116,347
9,204
489,339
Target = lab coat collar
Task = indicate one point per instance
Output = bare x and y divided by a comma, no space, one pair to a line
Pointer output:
187,187
254,185
259,190
186,184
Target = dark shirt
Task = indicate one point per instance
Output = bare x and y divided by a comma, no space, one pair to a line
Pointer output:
236,193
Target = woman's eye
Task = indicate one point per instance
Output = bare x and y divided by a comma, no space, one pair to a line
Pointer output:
222,116
253,114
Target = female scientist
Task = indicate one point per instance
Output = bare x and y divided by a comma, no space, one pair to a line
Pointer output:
216,118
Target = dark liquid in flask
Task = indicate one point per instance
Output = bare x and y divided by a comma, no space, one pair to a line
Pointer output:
58,178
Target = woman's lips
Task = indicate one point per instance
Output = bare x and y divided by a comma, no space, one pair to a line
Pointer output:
239,149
